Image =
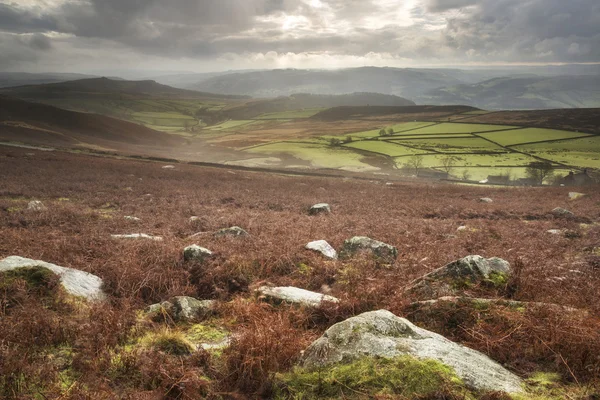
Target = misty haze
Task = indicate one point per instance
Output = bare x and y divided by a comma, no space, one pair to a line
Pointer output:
300,199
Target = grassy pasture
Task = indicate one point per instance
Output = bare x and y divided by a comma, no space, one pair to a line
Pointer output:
164,119
230,125
381,147
295,114
529,135
451,145
448,127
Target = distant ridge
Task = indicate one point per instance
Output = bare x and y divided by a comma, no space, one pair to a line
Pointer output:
341,113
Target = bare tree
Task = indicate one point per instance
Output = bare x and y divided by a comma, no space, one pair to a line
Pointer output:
448,163
539,171
415,163
466,175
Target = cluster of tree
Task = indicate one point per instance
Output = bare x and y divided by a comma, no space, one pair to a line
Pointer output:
335,142
388,132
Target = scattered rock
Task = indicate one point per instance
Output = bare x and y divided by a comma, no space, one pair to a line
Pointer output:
321,208
196,253
294,295
194,218
36,205
358,244
233,231
168,167
75,282
561,212
576,195
130,218
184,308
460,274
323,247
486,200
555,231
461,228
382,334
137,236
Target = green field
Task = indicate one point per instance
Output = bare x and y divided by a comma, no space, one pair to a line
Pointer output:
231,124
451,145
164,119
450,127
295,114
381,147
529,135
318,155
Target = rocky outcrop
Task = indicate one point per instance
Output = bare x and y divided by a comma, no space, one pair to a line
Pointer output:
321,208
196,253
360,244
183,308
294,295
382,334
322,247
75,282
458,275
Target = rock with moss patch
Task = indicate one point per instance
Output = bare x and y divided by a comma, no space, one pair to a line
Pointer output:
383,334
322,247
75,282
36,205
294,295
234,231
461,274
562,212
196,253
361,244
321,208
183,308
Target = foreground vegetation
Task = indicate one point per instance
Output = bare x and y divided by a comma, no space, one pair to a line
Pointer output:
56,346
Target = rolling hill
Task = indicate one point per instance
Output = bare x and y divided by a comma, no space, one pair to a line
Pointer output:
40,124
522,92
9,79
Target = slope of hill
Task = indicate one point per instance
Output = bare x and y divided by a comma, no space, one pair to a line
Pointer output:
342,113
407,83
523,92
9,79
34,123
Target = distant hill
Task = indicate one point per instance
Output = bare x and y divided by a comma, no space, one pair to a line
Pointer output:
523,92
9,79
407,83
34,123
188,80
97,86
299,101
424,112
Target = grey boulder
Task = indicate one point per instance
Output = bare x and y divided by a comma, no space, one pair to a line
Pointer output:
36,205
75,282
196,253
234,231
561,212
383,334
322,247
486,200
321,208
184,308
359,244
294,295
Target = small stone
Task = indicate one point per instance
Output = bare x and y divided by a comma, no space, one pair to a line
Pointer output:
359,244
36,205
234,231
130,218
576,195
461,228
323,247
486,200
555,231
294,295
196,253
321,208
137,236
168,167
561,212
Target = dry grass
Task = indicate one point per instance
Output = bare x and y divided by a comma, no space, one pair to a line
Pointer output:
420,219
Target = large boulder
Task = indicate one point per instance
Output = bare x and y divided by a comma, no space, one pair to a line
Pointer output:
184,308
75,282
294,295
359,244
234,231
196,253
382,334
322,247
461,274
321,208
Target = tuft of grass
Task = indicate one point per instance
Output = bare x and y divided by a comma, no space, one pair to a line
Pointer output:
170,342
404,376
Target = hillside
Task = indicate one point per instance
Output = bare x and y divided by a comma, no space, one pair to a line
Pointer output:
8,79
34,123
407,83
524,92
342,113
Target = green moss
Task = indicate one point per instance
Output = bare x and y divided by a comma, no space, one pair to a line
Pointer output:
35,277
497,279
167,341
304,269
200,333
372,377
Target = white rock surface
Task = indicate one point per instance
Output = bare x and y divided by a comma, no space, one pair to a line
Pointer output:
383,334
75,282
486,200
323,247
168,167
137,236
130,218
576,195
36,205
295,295
321,208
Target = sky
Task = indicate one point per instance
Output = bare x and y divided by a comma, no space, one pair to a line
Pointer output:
215,35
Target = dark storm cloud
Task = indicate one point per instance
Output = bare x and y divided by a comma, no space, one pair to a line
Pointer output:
438,30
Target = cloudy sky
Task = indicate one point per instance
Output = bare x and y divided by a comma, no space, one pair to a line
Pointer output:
210,35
